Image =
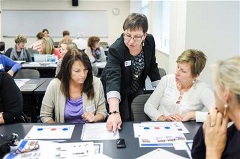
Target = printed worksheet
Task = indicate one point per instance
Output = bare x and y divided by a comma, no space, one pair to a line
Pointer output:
154,128
50,132
161,153
163,139
97,131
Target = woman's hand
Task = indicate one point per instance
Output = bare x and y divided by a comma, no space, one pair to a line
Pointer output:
89,117
174,117
188,116
215,134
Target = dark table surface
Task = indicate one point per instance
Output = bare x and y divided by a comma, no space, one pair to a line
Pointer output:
132,149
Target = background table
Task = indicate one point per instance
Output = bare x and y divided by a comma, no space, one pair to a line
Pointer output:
46,69
32,100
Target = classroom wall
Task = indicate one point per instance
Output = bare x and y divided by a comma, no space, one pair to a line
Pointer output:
210,26
214,28
114,21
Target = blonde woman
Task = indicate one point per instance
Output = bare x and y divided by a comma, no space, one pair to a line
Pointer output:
64,48
48,48
181,96
215,139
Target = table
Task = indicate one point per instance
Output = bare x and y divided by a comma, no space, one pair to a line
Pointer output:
46,69
30,100
132,149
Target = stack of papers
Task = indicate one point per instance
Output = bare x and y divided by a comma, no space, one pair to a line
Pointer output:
48,149
159,134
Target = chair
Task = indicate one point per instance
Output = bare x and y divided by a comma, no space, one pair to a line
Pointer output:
27,73
137,107
23,118
2,46
148,86
103,44
162,72
55,44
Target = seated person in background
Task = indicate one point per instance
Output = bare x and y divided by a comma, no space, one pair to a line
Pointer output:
66,38
181,97
37,44
19,52
64,48
46,34
75,95
80,42
7,63
11,101
215,140
48,48
94,51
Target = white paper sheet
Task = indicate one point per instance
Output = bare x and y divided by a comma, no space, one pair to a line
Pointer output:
74,149
20,82
97,131
161,153
153,128
50,132
48,149
163,139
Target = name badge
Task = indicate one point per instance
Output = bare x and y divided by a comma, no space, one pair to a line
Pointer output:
127,63
1,66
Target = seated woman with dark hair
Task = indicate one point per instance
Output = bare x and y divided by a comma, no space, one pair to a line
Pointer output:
75,95
11,101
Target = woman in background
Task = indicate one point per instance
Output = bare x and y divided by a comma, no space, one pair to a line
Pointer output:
48,48
36,46
46,34
94,51
19,52
64,48
215,140
75,95
181,96
66,38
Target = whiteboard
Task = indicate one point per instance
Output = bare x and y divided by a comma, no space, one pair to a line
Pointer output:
30,22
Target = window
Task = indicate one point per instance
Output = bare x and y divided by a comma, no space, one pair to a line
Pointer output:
159,24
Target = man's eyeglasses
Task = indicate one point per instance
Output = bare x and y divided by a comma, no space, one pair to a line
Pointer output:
128,37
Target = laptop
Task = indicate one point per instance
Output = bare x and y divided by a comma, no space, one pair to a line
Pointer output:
39,58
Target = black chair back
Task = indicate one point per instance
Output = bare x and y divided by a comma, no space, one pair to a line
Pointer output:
137,107
2,46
